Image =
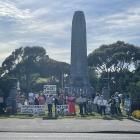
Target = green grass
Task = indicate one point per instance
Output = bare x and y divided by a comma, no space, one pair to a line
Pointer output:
77,116
21,116
94,116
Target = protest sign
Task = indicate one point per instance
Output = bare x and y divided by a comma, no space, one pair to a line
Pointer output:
50,89
62,110
33,109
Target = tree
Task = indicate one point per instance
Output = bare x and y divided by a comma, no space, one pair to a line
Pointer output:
22,63
10,62
114,58
93,78
114,64
27,64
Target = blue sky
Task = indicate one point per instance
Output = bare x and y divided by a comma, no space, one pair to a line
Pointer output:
47,23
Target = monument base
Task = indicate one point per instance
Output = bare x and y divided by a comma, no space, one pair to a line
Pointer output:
79,91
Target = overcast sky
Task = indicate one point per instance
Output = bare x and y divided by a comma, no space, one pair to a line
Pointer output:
47,23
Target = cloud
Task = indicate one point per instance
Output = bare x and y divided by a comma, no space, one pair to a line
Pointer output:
6,48
10,10
48,24
122,25
126,19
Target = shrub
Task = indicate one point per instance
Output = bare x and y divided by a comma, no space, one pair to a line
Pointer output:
136,114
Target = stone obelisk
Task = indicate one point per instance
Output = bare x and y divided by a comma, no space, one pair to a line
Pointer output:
79,69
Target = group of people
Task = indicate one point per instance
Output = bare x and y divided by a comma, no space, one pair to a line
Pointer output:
114,105
111,106
86,105
100,103
103,106
43,99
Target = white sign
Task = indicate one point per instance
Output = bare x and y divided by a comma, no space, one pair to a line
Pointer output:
33,109
50,89
62,110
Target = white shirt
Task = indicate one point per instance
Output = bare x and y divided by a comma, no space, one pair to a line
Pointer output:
102,102
96,100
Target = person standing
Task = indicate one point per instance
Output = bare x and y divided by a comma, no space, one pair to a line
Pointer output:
41,99
112,103
49,101
71,105
56,102
79,101
127,106
36,101
96,101
89,106
85,105
102,103
118,102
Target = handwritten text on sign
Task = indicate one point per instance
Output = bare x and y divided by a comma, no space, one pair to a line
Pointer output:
50,89
62,110
33,109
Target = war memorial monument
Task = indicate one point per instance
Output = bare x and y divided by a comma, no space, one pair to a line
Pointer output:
79,80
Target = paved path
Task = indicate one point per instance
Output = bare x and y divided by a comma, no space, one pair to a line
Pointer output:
67,136
67,125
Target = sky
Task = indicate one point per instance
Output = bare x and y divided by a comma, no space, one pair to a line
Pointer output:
47,23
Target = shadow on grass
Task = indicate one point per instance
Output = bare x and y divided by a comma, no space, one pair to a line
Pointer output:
88,117
20,116
120,118
4,116
77,116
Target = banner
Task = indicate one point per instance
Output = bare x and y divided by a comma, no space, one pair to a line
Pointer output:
62,110
33,109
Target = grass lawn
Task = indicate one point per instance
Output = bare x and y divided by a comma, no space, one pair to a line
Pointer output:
94,115
77,116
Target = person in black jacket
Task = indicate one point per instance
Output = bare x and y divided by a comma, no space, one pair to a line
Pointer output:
36,101
118,102
112,102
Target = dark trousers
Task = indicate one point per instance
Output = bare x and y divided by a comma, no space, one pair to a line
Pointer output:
85,107
118,110
81,108
98,109
113,110
50,109
1,108
102,110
